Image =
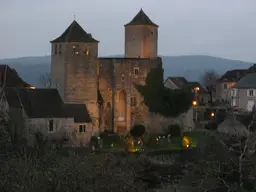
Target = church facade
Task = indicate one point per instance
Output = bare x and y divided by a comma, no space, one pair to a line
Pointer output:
106,85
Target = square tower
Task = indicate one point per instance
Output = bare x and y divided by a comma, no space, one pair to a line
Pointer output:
74,66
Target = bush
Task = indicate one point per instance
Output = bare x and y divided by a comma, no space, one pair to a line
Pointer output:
174,130
52,172
137,130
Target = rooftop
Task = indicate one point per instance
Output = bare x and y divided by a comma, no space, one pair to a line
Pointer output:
75,33
247,82
141,19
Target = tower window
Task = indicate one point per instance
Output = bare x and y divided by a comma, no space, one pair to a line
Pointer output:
86,50
152,33
75,49
60,49
122,78
136,71
55,49
133,101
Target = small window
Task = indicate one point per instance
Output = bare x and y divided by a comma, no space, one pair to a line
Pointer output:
136,71
109,90
82,128
60,49
225,86
122,78
50,129
86,50
55,49
250,92
75,49
133,101
152,33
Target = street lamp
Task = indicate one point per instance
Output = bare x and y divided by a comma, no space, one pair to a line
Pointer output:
194,103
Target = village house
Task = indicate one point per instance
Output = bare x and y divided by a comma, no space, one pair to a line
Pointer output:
226,82
244,93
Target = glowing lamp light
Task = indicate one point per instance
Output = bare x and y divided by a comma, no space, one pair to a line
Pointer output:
194,103
32,87
196,88
112,145
212,114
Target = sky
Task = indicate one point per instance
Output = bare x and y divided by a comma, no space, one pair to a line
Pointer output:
223,28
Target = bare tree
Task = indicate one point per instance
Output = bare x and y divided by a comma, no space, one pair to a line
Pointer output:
45,80
209,80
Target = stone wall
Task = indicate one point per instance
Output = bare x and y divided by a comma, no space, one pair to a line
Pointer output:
141,41
117,77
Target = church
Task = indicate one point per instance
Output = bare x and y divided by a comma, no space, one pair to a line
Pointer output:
106,86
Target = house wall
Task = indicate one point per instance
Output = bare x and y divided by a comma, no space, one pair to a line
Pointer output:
63,128
241,99
222,92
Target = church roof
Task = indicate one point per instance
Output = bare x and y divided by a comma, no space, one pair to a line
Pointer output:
75,33
141,19
10,78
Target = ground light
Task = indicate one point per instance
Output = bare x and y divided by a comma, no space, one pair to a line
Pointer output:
186,143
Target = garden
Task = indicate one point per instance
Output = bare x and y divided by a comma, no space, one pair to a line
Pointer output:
137,140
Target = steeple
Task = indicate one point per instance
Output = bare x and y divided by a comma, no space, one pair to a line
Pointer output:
141,19
75,33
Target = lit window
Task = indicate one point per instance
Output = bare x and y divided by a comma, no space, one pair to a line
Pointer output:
60,49
75,49
86,50
136,71
82,128
133,101
55,49
50,128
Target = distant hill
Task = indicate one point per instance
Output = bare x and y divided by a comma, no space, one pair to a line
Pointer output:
191,67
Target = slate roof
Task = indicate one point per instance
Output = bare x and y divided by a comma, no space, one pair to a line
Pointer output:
10,78
178,81
141,19
78,111
233,75
247,82
75,33
37,103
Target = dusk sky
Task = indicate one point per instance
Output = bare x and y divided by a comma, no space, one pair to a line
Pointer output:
223,28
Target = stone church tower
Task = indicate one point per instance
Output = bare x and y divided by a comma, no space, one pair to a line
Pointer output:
141,37
74,66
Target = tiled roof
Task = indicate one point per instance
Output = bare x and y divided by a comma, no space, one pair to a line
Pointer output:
141,19
233,75
10,78
75,33
178,81
37,103
78,111
247,82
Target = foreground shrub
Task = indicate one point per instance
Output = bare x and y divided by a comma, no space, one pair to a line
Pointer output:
102,172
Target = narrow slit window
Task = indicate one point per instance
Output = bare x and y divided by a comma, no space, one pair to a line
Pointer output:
55,49
60,49
136,71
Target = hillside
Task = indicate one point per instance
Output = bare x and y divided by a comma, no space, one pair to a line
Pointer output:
192,67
